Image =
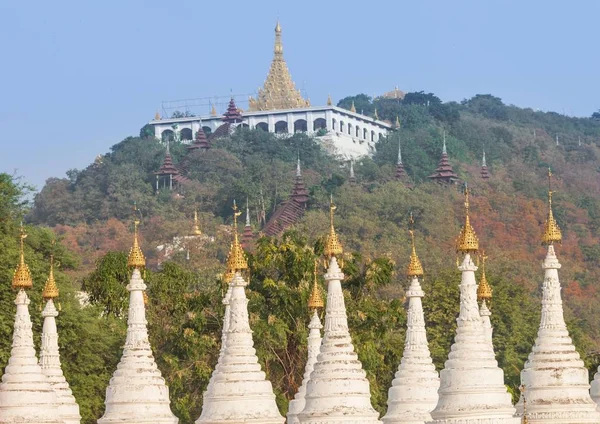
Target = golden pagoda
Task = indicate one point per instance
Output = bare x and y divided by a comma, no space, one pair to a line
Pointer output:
22,276
315,301
484,290
333,247
279,90
136,258
467,241
236,261
415,269
50,289
552,233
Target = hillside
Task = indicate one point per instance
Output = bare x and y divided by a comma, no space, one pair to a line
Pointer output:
90,211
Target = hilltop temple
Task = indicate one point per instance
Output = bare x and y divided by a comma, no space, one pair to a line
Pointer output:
280,108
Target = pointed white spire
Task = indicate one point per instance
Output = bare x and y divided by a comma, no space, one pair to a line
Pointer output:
413,394
399,152
472,386
137,392
488,331
168,152
247,213
483,162
314,343
298,168
444,151
554,374
328,400
557,139
240,392
352,169
579,141
26,395
51,367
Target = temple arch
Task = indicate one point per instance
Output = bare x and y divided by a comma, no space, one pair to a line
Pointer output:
186,134
207,131
281,127
167,135
357,132
319,123
300,125
349,129
372,135
342,127
333,124
263,126
366,134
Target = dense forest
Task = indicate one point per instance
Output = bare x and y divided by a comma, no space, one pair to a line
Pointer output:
90,211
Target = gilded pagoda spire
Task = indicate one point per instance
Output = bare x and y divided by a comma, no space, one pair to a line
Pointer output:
353,108
552,233
484,290
136,258
236,261
315,301
415,269
213,110
196,227
329,101
467,241
22,276
50,289
333,247
279,90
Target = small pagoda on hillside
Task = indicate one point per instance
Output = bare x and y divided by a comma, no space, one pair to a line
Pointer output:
485,174
200,142
444,173
291,210
400,172
168,176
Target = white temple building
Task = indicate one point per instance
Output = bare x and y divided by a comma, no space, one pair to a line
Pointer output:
280,108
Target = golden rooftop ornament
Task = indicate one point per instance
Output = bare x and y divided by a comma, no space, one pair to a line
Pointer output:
136,257
22,276
157,116
196,228
415,269
236,260
213,111
353,108
329,101
50,289
467,241
484,290
552,233
333,246
315,301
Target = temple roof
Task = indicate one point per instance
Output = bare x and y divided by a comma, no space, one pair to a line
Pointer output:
200,142
232,114
279,90
167,167
444,171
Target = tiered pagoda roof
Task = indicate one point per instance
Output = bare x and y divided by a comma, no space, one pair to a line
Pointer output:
444,172
167,167
200,142
233,114
291,210
400,172
485,174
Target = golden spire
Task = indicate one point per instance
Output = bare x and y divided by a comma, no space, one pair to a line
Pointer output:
552,233
315,301
157,116
22,276
235,260
196,228
353,108
467,241
50,289
333,246
484,291
376,115
213,111
136,257
329,101
415,269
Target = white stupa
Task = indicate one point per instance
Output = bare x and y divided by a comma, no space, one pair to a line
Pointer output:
555,378
484,295
315,302
50,356
239,392
472,389
413,394
137,392
338,390
26,396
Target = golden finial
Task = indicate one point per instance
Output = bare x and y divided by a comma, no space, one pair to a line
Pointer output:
157,116
236,260
146,298
329,101
278,27
467,241
333,246
376,115
484,291
50,289
415,269
315,301
524,419
353,108
22,276
136,257
196,228
552,233
213,111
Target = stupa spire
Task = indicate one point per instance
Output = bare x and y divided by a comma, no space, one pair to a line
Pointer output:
298,167
200,141
26,394
352,178
315,302
472,389
248,234
400,173
554,374
137,392
50,355
239,392
328,401
232,115
484,295
329,101
413,394
485,174
353,108
196,231
444,151
236,261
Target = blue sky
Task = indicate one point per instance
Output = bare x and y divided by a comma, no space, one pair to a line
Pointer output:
79,76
